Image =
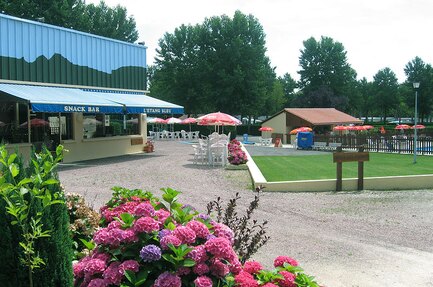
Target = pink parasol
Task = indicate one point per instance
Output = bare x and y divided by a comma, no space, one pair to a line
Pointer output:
189,121
172,121
368,127
218,119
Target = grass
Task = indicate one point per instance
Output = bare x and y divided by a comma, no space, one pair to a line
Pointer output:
289,168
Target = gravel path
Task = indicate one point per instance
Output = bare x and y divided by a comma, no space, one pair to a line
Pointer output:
344,239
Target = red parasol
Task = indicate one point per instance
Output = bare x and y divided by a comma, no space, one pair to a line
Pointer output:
266,129
172,121
368,127
36,123
402,127
340,128
418,127
300,130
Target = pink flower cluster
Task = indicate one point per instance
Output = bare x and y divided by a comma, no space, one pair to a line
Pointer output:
236,155
143,245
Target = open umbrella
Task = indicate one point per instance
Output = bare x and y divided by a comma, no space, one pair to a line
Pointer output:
368,127
172,121
340,128
189,121
356,128
402,127
301,130
155,121
266,129
218,119
35,123
418,127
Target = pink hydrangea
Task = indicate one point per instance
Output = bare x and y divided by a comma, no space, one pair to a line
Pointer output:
280,260
114,224
288,281
94,266
252,267
131,265
112,274
144,209
269,285
235,266
110,213
185,234
168,279
245,279
98,282
115,236
221,230
146,224
220,247
198,254
162,215
203,281
169,239
200,268
218,268
199,228
79,267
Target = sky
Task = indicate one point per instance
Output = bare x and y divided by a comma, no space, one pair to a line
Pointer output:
375,33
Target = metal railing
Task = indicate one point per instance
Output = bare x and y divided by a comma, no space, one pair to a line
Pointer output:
381,143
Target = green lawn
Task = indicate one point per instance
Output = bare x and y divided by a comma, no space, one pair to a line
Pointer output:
287,168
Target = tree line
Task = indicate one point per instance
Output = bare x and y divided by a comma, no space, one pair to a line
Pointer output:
221,65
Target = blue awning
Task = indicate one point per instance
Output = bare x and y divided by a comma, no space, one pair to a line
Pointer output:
70,100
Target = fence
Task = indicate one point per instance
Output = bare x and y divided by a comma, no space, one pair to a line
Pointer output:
381,143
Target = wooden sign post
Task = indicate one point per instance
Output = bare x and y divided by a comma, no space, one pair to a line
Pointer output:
360,157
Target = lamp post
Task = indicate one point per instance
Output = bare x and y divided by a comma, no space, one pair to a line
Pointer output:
415,138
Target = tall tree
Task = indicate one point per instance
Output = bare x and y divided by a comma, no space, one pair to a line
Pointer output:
324,73
218,65
418,71
75,14
385,87
365,98
289,85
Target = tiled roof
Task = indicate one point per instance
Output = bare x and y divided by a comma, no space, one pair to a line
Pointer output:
323,116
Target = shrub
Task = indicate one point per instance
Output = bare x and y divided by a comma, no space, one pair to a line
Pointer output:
35,220
144,241
83,223
249,236
236,155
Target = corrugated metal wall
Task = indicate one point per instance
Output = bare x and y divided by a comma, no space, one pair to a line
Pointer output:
37,52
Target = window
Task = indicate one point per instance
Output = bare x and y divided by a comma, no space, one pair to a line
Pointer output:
107,125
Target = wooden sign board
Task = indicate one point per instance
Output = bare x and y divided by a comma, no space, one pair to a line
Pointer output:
351,156
137,141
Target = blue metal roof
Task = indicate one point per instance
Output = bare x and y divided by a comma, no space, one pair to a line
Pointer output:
69,100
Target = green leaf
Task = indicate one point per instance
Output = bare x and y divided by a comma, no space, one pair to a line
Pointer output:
89,244
130,275
12,158
169,258
188,263
14,169
50,181
141,277
127,218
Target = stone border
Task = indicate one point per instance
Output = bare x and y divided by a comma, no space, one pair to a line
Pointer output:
349,184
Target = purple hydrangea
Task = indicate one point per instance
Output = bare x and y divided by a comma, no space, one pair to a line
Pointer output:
150,253
163,233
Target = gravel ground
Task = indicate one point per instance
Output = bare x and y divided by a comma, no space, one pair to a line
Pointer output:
368,238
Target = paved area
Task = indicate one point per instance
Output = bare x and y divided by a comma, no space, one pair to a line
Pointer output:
345,239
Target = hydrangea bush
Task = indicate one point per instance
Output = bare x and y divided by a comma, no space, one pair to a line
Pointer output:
236,155
147,242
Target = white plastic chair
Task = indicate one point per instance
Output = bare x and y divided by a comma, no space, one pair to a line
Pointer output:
200,154
218,154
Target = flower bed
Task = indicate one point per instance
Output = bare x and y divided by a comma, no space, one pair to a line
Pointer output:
236,156
147,242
